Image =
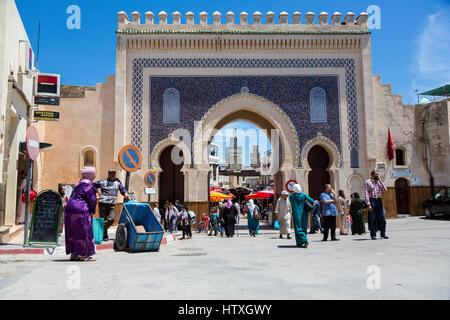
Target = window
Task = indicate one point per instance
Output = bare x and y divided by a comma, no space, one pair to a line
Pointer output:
440,195
88,158
171,106
318,105
400,157
354,158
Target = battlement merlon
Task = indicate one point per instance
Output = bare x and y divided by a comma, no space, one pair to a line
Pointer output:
286,24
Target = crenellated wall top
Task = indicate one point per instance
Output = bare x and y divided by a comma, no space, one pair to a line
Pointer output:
233,23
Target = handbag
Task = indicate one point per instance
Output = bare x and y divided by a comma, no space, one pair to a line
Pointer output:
256,214
276,225
309,206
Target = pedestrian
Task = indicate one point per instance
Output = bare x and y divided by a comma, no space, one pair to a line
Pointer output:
79,232
374,192
184,223
329,211
21,189
156,212
214,222
342,209
62,193
253,217
171,217
165,223
300,215
315,218
178,205
283,210
357,206
110,187
238,210
229,217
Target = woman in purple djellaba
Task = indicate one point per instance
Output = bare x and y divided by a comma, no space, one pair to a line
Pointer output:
78,218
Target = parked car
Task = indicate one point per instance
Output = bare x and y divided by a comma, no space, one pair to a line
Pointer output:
437,204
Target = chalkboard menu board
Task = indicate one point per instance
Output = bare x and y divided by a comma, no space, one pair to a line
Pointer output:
46,218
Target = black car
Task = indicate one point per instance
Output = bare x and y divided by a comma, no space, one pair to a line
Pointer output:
438,204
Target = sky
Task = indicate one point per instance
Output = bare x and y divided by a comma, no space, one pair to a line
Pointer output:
410,51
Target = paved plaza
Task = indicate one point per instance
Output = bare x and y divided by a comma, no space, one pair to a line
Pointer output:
413,264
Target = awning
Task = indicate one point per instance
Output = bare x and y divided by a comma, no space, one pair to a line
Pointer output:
443,91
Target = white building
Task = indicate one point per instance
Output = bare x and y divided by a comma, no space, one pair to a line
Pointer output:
16,92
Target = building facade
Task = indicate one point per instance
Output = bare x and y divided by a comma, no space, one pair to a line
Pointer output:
16,97
308,82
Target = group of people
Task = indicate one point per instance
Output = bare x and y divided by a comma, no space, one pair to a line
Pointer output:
174,217
329,207
80,209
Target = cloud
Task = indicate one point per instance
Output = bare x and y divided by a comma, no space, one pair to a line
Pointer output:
432,64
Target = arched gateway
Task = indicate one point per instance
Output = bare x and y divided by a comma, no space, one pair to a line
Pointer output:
178,83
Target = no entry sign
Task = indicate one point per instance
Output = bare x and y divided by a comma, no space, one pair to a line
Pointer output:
130,158
290,185
150,179
32,142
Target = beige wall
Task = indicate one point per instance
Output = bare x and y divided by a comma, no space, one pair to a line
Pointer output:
14,103
84,123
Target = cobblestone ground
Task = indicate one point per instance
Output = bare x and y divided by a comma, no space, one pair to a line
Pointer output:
413,264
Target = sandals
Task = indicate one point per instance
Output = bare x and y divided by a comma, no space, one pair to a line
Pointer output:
87,259
75,259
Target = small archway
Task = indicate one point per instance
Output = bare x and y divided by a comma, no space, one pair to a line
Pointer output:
171,178
319,162
402,196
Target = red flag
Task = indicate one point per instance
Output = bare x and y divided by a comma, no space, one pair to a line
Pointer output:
390,146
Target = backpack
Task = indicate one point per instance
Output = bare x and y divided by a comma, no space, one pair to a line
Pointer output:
256,213
192,216
309,206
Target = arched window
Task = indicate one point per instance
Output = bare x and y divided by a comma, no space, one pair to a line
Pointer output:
88,158
400,159
171,106
318,105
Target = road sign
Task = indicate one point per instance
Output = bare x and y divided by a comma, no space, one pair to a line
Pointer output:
32,143
290,185
150,191
49,101
150,179
130,158
46,115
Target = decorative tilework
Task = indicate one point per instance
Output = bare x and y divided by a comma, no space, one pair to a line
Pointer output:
348,64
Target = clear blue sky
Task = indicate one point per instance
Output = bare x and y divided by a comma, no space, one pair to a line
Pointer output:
410,51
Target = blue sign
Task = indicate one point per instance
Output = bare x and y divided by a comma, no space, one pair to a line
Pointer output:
130,158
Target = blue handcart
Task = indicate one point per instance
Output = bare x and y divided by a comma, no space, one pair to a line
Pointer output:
128,238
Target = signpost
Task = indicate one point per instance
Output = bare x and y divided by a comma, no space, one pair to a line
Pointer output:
290,185
150,181
32,148
46,115
46,219
130,160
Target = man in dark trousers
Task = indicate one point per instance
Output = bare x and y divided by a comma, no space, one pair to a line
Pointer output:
374,192
329,211
107,203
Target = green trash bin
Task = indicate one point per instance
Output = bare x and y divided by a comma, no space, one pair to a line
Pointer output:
98,225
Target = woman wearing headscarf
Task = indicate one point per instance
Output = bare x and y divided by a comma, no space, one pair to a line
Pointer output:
171,216
78,218
229,217
357,213
253,223
300,215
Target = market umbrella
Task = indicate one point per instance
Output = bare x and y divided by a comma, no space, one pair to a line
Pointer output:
251,196
265,194
217,196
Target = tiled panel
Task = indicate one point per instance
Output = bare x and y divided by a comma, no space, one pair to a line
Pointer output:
280,93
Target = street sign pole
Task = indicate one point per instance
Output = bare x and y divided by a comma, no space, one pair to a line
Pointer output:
27,204
127,181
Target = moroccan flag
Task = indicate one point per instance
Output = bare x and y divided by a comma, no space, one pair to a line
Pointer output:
390,146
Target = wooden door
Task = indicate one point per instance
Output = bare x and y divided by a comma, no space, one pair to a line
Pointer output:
171,179
318,160
402,196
